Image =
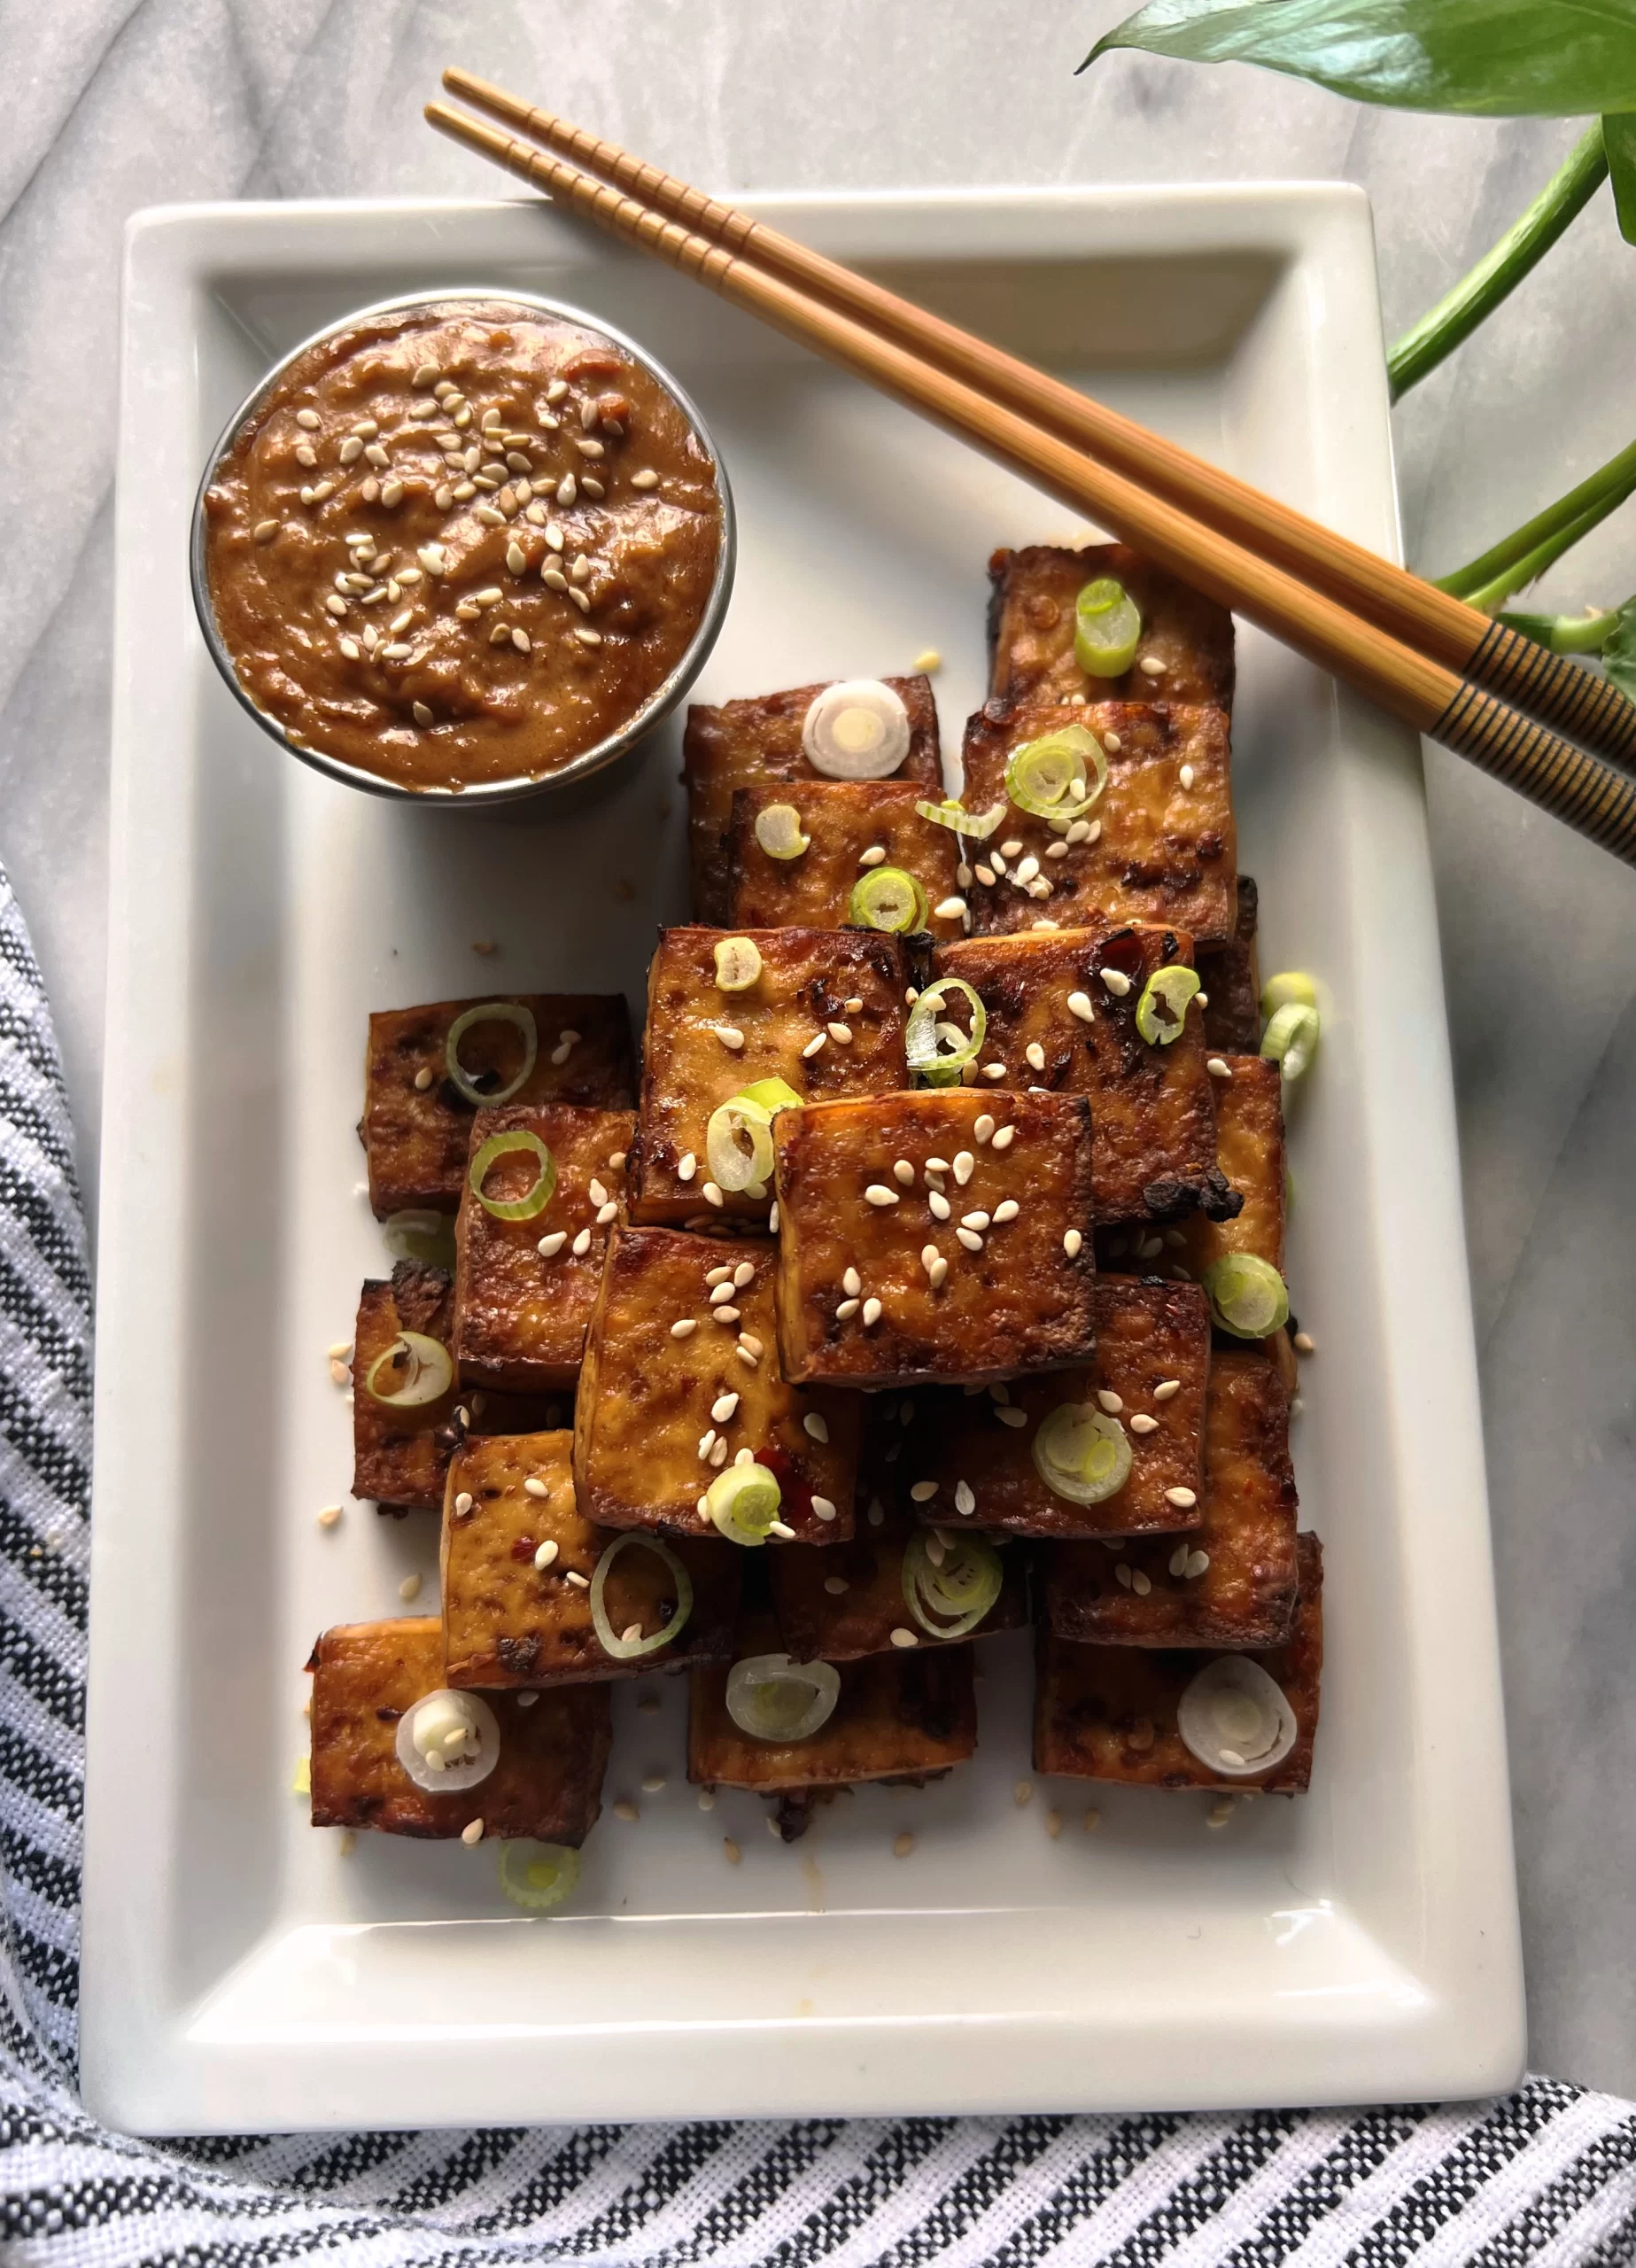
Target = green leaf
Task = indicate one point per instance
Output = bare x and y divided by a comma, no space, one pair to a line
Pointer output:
1485,58
1619,141
1619,653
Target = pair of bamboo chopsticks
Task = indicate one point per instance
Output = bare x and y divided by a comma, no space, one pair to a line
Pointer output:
1424,655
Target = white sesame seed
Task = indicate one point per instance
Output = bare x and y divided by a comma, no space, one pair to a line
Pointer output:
970,1239
1022,1792
721,1292
1007,1209
816,1425
581,1244
985,876
329,1516
723,1407
743,1274
1003,1140
265,530
852,1283
309,418
941,1208
472,1832
1184,1499
923,1491
1117,982
1166,1388
1197,1563
994,1071
725,1315
964,1166
871,1314
686,1167
847,1310
306,456
1123,1575
392,495
1218,1067
878,1194
902,1637
1110,1401
820,1039
929,1257
409,1588
1026,870
730,1038
549,1247
842,1034
938,1272
1303,1343
1150,666
1056,850
979,1219
1072,1243
534,1486
964,1499
721,1274
1036,1054
949,909
706,1443
711,1193
874,856
1142,1424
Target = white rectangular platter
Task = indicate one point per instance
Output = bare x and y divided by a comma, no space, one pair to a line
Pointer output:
241,1971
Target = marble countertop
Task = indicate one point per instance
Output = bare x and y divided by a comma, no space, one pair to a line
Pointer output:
128,103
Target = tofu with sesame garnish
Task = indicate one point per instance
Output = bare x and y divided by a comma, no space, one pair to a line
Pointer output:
1184,651
1062,1016
1232,1581
1148,1377
682,1378
547,1781
840,1605
853,829
417,1125
758,743
939,1235
1111,1712
1250,1151
524,1289
825,1013
910,1714
1159,844
518,1562
401,1448
1231,978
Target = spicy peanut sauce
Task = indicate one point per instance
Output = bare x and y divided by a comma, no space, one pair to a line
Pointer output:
461,542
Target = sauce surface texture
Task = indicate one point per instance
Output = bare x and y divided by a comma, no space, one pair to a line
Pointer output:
461,543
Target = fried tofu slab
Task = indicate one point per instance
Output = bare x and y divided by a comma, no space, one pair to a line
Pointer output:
758,743
826,1014
1109,1713
1233,1580
416,1124
547,1783
400,1455
1058,1022
945,1234
1250,1151
840,1605
1159,845
852,827
1151,1363
648,1439
1231,978
523,1290
508,1620
1184,653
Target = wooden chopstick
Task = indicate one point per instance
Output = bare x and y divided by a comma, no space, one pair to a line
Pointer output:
1538,763
1584,707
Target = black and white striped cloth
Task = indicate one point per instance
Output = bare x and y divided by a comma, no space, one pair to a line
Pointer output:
1547,2177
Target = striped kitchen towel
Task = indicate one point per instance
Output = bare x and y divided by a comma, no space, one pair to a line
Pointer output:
1546,2177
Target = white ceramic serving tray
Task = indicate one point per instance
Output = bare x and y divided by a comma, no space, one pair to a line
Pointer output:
240,1972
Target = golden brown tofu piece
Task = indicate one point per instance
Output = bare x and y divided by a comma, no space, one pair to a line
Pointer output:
647,1441
838,1606
415,1136
508,1621
1232,981
758,743
873,1195
1152,1109
906,1715
846,823
1232,1581
1157,848
814,984
1187,636
1109,1713
1249,1148
1152,1358
400,1457
521,1312
547,1783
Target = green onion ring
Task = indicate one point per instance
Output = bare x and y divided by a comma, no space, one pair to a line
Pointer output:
1108,627
1059,775
937,1065
1247,1295
744,1501
431,1372
976,826
1290,1039
505,1145
778,830
738,964
491,1012
764,1697
739,1173
1081,1453
1289,984
538,1875
890,899
964,1587
1169,988
770,1095
417,1235
627,1649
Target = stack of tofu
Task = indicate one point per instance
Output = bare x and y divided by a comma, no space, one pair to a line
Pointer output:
887,1322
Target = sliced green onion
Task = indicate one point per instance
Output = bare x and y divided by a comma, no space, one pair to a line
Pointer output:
1235,1719
889,900
856,730
1106,627
743,1501
491,1012
976,826
938,1050
772,1095
415,1235
741,1172
1161,1011
538,1875
623,1648
1290,985
738,964
1058,776
778,830
960,1590
1247,1295
425,1370
448,1741
772,1698
1080,1453
515,1140
1291,1040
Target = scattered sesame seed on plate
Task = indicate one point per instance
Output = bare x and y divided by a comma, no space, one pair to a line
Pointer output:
626,1809
330,1515
904,1844
1022,1792
409,1588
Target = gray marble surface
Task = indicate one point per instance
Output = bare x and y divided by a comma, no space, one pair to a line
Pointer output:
118,103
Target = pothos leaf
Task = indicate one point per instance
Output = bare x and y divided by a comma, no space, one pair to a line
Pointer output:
1484,59
1619,141
1619,652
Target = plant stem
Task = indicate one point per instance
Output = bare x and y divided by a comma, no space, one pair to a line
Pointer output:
1497,275
1571,516
1565,633
1532,565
